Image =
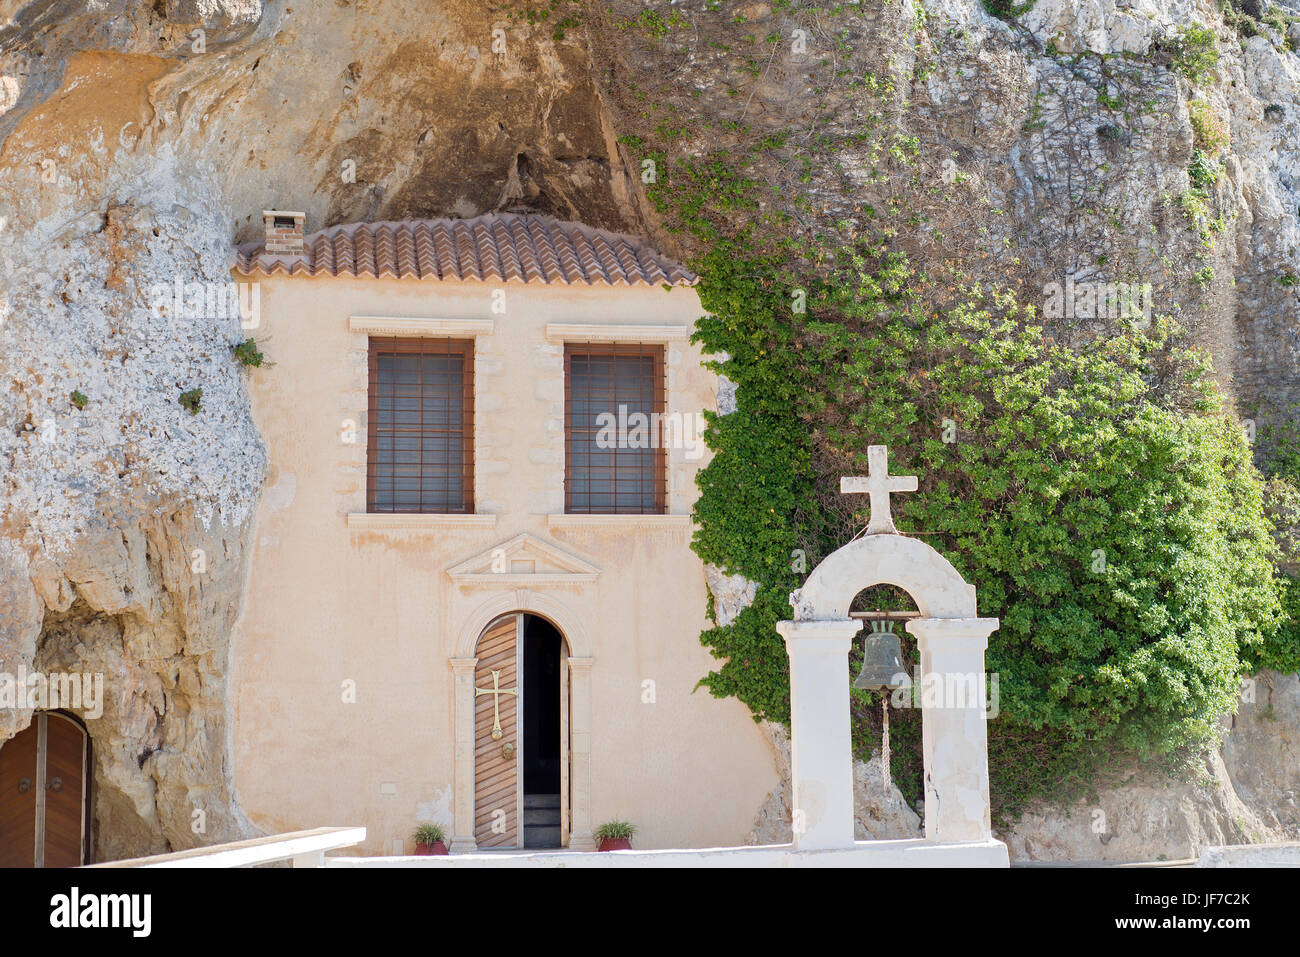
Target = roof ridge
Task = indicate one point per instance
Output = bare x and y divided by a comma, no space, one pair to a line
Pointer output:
496,246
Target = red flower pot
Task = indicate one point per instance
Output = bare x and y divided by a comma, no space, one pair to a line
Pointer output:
615,844
430,850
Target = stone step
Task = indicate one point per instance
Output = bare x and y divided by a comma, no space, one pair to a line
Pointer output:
544,816
542,800
536,835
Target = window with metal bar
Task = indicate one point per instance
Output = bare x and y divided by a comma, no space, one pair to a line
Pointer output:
614,460
420,435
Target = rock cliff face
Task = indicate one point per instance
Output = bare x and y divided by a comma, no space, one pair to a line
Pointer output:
1247,794
140,138
1070,133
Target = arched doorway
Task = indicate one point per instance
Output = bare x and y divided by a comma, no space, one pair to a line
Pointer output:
45,794
521,734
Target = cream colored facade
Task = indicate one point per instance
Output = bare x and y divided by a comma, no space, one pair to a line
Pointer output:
392,606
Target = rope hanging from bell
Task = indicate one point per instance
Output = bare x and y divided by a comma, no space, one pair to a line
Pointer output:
884,740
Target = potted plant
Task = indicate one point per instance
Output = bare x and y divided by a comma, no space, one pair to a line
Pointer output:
615,836
428,840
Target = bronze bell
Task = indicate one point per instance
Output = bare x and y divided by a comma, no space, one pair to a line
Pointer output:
882,660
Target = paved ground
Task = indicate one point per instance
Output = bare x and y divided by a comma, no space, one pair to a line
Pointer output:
1189,862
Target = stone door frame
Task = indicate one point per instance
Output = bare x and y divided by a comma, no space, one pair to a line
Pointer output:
579,663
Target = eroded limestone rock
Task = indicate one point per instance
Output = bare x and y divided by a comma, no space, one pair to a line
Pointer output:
1246,795
732,594
879,814
1262,750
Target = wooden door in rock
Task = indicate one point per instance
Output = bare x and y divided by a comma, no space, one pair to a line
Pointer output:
44,787
498,796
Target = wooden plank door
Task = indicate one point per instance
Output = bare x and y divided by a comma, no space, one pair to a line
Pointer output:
564,747
18,760
497,790
65,787
43,794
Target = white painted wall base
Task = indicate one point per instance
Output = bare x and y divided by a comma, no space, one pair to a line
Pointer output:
911,853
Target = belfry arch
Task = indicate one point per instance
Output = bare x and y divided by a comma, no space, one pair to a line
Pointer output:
951,640
906,563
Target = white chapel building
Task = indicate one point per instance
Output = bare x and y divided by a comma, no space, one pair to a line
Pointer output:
465,604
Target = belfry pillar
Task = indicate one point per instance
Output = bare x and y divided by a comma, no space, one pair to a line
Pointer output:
821,747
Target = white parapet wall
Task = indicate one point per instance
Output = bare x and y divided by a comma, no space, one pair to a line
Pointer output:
910,853
303,848
1251,855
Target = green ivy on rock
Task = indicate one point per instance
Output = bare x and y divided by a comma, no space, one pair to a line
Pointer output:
1102,503
1096,493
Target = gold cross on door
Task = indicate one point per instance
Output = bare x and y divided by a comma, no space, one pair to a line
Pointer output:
496,691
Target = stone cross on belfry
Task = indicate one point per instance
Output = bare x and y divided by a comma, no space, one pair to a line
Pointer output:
878,483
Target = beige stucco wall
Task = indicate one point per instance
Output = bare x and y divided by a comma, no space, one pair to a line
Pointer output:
331,599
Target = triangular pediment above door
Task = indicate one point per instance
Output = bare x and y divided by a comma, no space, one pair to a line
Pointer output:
523,560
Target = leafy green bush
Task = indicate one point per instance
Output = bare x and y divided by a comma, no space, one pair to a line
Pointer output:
1203,171
1193,52
192,400
1283,653
1107,511
1280,447
1208,131
1008,9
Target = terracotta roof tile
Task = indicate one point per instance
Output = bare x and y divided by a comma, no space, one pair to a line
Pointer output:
496,247
510,265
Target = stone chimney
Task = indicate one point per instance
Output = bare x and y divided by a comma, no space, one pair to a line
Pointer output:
284,232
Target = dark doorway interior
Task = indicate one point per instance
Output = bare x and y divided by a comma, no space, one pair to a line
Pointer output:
542,649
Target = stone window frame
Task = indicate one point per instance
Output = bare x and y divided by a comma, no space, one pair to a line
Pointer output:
386,345
658,352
